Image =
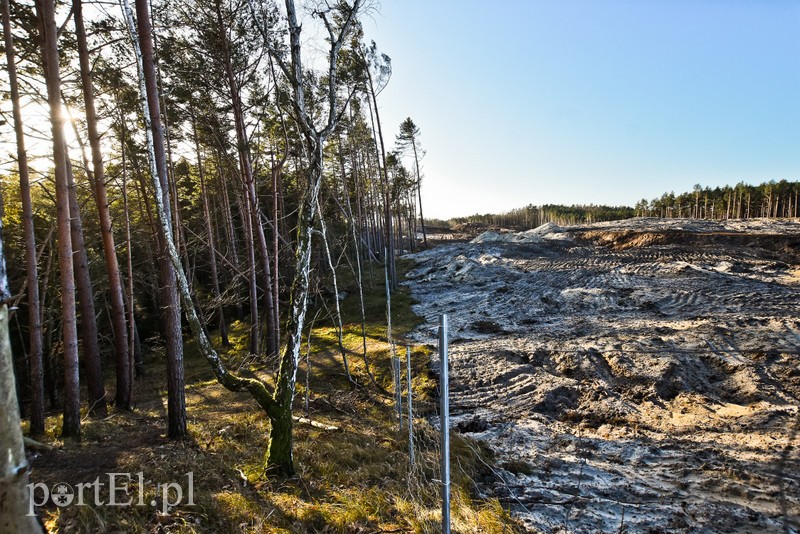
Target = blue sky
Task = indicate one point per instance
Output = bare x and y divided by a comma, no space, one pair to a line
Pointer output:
607,102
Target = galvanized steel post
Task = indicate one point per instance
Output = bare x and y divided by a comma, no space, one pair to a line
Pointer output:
445,413
410,411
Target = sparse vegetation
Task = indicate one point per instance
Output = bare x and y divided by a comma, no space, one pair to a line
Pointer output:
348,480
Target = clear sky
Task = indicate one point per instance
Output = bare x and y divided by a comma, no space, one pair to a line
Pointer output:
607,102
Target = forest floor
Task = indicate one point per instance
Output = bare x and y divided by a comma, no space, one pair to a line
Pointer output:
354,479
636,376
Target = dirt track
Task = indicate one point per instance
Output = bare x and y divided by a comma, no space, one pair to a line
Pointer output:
639,376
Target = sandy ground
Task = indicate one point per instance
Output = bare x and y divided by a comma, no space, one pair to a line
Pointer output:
638,376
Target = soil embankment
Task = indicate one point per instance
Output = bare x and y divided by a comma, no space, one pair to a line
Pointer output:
641,375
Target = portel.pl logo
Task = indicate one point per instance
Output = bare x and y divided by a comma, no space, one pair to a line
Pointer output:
121,488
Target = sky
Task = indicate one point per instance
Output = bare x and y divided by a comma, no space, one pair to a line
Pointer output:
575,102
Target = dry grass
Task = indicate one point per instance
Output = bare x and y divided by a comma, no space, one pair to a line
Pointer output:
357,479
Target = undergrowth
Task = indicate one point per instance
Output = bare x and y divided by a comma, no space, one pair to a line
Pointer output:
354,479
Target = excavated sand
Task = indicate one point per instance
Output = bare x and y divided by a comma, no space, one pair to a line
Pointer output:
637,376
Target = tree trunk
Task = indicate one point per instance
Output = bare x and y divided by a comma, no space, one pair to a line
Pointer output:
276,289
31,267
269,304
280,457
212,252
46,319
359,278
134,356
385,181
71,427
230,235
88,322
97,178
279,451
14,496
332,267
176,399
419,193
252,280
251,197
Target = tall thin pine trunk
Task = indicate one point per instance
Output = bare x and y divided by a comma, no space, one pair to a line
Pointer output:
134,356
384,173
31,267
71,427
230,235
97,177
251,196
88,322
212,249
252,280
46,319
419,193
276,289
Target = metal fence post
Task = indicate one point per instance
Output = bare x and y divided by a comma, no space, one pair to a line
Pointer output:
445,412
398,388
410,411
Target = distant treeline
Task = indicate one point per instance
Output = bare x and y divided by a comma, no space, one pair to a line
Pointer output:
532,216
742,201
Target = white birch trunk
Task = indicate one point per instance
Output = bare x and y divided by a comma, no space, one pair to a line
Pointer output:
14,468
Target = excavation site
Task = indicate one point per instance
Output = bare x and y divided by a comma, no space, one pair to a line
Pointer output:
632,376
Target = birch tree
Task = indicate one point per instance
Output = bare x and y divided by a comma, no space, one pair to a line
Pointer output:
170,266
276,403
14,468
315,137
